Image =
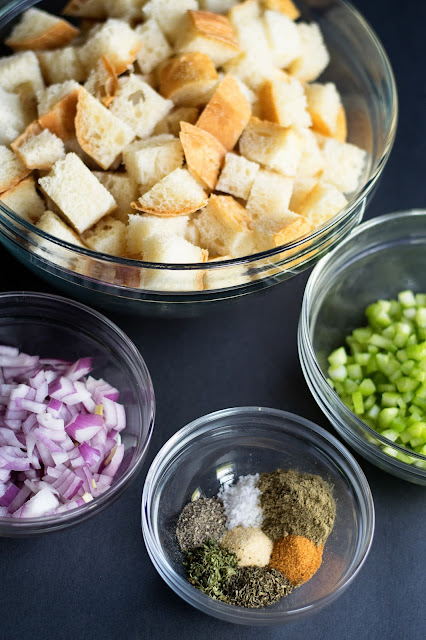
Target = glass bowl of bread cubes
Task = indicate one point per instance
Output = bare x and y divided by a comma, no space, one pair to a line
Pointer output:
159,154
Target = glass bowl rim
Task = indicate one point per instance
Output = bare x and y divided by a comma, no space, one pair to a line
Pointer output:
140,372
201,427
11,10
305,342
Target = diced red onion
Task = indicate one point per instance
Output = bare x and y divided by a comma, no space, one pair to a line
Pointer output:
9,495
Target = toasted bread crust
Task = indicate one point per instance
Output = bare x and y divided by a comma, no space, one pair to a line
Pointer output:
185,70
341,133
60,119
107,82
214,26
204,154
296,229
227,114
58,35
283,6
33,129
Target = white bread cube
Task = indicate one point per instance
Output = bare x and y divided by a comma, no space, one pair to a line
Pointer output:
144,226
251,36
171,123
251,68
238,176
324,105
12,169
149,161
322,203
39,148
301,189
155,47
38,30
114,39
109,236
139,106
270,235
169,13
344,164
100,9
283,38
226,114
188,79
203,154
223,227
312,161
13,116
269,198
57,108
314,57
244,12
274,146
77,193
178,194
287,7
52,224
167,249
49,96
20,69
24,200
123,189
100,133
207,33
102,82
283,101
191,233
61,65
217,6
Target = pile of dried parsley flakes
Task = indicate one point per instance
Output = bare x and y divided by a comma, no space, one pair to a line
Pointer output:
259,538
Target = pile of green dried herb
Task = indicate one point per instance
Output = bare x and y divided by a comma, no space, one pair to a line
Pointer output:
209,568
201,520
255,587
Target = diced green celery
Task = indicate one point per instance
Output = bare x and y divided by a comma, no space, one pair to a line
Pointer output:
403,331
367,387
401,355
404,384
362,359
412,339
407,299
407,367
338,373
398,424
405,458
408,396
338,357
418,430
415,442
339,387
390,435
389,332
354,371
362,335
390,451
378,314
358,403
369,401
404,437
374,412
350,386
420,317
371,365
330,382
382,388
381,342
420,402
401,402
386,416
390,399
421,299
421,332
417,351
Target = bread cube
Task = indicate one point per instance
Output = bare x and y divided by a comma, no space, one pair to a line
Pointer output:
100,133
314,56
283,101
324,106
52,224
227,113
123,189
102,82
109,236
168,249
188,79
238,176
13,116
144,226
203,153
251,36
171,123
60,65
114,39
269,199
100,9
178,194
169,13
12,169
149,161
19,69
155,47
139,106
251,68
244,12
225,277
57,108
301,189
270,144
77,193
271,235
217,6
344,164
39,30
283,38
208,33
287,7
322,203
223,227
312,161
24,200
38,148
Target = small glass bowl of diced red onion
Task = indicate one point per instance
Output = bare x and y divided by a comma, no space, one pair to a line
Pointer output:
362,341
76,413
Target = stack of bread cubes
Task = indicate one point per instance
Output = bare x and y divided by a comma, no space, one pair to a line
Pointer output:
173,131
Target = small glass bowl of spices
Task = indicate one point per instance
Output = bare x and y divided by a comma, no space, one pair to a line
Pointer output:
256,516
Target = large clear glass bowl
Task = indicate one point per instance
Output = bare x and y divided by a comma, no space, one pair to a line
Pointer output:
221,446
362,72
381,258
53,327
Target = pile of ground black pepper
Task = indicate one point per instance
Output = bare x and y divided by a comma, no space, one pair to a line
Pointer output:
201,520
297,504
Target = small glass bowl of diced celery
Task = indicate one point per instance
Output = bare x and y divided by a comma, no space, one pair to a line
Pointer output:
362,341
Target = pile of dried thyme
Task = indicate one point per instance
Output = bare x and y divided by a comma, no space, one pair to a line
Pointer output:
259,538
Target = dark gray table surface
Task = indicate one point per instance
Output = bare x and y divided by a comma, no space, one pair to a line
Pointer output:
96,582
